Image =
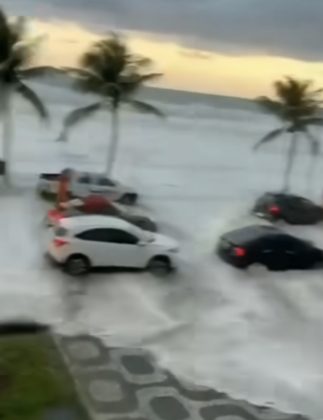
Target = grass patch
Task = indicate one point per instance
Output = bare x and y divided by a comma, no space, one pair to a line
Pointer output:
33,379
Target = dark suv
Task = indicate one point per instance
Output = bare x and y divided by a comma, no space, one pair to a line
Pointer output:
292,209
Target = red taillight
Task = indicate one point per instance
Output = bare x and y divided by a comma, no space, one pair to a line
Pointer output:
239,252
60,242
55,215
274,210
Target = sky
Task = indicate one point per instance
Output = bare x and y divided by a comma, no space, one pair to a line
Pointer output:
230,47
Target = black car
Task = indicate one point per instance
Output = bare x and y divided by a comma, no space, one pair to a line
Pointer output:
268,246
292,209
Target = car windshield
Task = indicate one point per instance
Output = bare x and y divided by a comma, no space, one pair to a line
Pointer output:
147,236
248,234
71,212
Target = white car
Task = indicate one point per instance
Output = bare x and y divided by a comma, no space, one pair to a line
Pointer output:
80,243
83,184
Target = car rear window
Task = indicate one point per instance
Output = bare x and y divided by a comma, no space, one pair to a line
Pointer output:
84,179
60,231
249,234
104,182
225,243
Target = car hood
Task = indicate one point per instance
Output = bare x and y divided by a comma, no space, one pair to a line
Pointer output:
164,241
133,211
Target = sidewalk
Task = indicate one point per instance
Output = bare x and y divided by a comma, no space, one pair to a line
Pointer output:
126,384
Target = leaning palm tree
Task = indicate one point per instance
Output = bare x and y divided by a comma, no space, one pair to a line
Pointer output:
15,64
297,106
109,70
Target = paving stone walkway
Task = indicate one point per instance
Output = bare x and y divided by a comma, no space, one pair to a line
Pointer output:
126,384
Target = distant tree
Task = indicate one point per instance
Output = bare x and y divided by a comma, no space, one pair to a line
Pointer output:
16,54
297,106
108,69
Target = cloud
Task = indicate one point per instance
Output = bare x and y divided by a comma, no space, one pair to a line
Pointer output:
195,54
290,28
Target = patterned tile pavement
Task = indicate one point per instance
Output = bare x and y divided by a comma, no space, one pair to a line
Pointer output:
126,384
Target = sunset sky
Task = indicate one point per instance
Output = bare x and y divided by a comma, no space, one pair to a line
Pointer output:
230,47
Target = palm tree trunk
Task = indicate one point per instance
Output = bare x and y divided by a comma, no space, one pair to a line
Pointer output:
310,172
7,132
290,160
113,147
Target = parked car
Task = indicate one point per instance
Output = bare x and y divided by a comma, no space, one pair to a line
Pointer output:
268,246
292,209
80,243
99,205
83,184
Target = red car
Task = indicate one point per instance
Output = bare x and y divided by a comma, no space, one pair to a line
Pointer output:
99,205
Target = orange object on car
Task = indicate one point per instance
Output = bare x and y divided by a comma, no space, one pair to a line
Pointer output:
63,194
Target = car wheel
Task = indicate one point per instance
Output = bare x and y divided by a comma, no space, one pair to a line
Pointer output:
77,265
129,199
160,266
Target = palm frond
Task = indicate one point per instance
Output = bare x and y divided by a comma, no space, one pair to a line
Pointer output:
108,57
24,50
151,76
145,108
317,91
270,136
33,98
318,121
86,80
17,29
20,55
81,72
130,84
77,116
270,105
139,61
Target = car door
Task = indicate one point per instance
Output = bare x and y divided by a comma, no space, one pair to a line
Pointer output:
272,253
301,211
298,252
80,186
95,245
127,249
103,186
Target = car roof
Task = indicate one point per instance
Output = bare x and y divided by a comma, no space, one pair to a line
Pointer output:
250,233
94,222
284,196
95,175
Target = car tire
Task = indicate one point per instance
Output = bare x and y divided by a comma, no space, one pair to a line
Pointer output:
160,266
77,265
129,199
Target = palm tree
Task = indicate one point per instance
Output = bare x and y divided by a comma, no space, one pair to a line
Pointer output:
297,106
109,70
15,64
